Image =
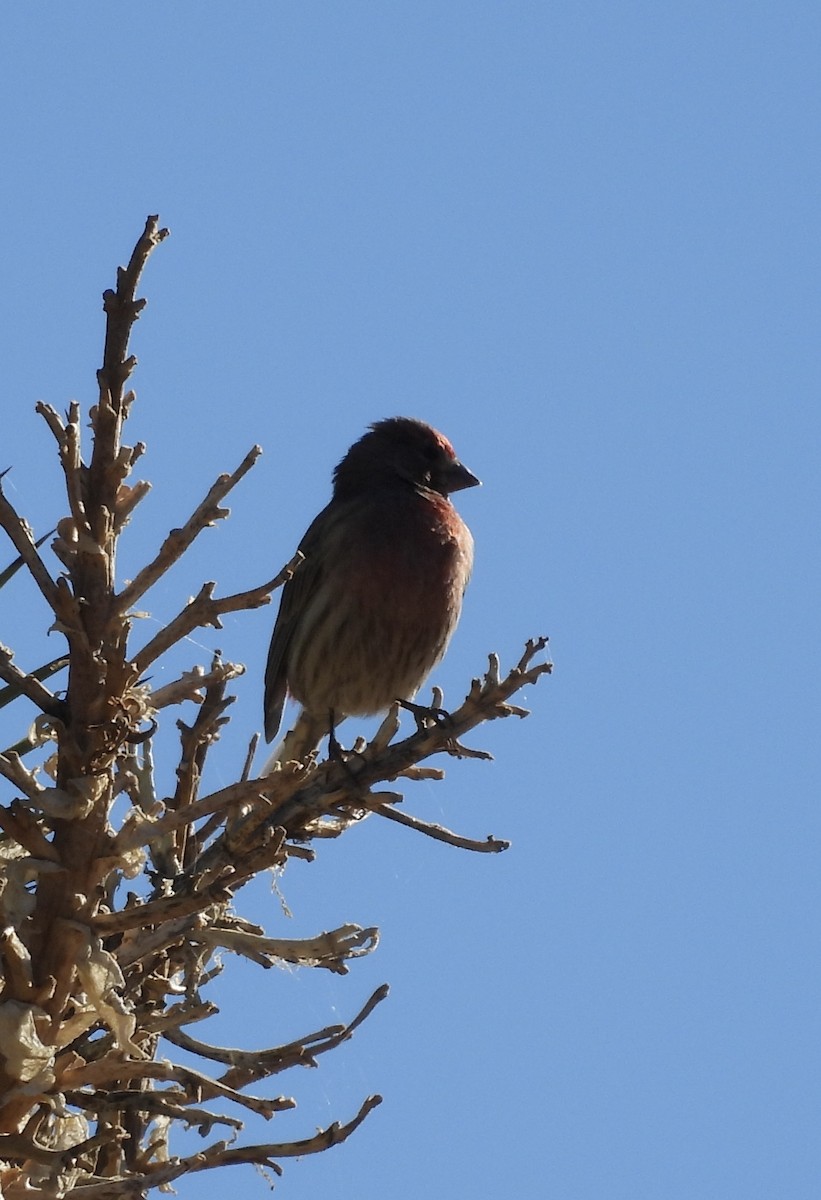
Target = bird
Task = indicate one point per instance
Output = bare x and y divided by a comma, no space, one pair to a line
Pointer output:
370,610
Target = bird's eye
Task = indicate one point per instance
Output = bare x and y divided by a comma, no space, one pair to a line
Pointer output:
427,477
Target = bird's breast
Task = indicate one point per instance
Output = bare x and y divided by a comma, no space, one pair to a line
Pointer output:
387,598
411,554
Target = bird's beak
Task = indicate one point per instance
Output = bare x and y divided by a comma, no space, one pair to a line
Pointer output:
458,477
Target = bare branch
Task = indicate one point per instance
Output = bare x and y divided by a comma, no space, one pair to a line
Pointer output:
52,419
330,949
247,1068
178,540
329,782
28,684
129,497
107,1072
219,1155
159,912
122,310
170,1102
23,542
144,831
18,823
68,441
334,1135
13,770
193,683
204,610
490,846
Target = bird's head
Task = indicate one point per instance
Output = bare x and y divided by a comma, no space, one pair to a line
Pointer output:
402,449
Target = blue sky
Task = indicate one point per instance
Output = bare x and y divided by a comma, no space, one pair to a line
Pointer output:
582,239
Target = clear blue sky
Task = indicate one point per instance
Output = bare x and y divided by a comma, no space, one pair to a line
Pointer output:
582,239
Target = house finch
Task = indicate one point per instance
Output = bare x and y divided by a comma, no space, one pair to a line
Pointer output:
372,608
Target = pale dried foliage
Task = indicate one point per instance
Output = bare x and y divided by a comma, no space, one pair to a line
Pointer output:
101,982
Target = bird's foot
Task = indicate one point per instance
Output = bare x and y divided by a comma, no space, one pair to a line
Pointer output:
338,753
427,715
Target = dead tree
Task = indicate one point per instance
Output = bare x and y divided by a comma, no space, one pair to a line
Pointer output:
111,924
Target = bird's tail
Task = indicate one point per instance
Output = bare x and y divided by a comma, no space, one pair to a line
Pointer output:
298,742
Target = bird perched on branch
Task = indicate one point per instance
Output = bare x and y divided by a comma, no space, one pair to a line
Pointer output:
371,609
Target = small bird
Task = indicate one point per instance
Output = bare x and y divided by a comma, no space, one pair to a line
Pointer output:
372,607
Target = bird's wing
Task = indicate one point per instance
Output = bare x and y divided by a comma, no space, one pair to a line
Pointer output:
295,596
